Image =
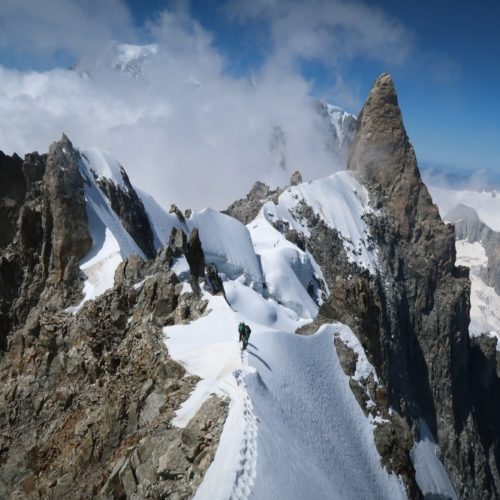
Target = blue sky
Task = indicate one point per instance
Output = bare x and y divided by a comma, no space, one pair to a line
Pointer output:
444,56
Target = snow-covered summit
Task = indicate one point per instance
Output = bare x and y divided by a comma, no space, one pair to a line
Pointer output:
343,122
122,57
342,127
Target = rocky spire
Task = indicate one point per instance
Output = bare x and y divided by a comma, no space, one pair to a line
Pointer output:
384,160
64,191
427,358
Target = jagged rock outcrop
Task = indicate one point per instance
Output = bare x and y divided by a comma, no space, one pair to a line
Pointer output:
86,406
246,209
126,203
296,178
46,234
86,400
469,227
422,349
194,255
411,316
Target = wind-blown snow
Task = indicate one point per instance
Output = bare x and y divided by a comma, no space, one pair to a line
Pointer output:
341,202
226,242
430,474
485,203
294,427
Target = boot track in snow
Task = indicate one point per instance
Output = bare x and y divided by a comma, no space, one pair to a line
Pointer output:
245,474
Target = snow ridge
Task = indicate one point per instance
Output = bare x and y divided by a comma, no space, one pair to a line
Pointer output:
245,475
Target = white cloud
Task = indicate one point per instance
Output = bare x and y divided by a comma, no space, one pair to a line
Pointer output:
328,30
47,26
187,131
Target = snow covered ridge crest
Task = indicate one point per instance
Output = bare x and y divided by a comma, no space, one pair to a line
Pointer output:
342,203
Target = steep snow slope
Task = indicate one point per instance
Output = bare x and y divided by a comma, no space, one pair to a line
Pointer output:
313,438
291,275
111,243
431,475
227,243
161,221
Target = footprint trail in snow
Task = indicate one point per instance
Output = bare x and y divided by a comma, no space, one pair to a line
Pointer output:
245,475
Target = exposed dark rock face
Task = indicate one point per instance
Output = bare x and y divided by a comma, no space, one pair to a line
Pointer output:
296,178
175,210
419,305
213,281
355,300
246,209
130,209
65,200
12,192
469,227
412,317
195,256
46,234
86,406
86,400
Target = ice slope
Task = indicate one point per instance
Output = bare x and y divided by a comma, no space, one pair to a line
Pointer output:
486,203
294,428
111,243
340,201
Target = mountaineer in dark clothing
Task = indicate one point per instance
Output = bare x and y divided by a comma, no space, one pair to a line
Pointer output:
244,332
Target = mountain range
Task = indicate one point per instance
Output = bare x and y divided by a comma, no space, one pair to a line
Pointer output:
372,369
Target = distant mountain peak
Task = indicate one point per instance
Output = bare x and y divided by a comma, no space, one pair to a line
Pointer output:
124,58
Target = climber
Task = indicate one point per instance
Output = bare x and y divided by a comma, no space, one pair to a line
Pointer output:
244,331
